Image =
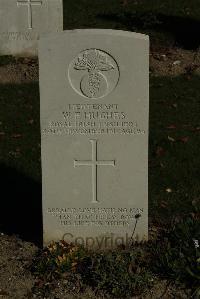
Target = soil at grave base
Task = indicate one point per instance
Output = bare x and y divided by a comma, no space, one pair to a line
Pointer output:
17,281
163,62
19,70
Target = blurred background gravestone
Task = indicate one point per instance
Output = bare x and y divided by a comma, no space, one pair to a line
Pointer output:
22,22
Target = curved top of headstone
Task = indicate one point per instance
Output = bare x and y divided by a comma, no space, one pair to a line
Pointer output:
99,32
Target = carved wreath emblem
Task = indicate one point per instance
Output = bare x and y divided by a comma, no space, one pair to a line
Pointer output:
96,69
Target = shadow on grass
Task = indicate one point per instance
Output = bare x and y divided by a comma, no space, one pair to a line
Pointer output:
21,205
20,168
186,31
182,32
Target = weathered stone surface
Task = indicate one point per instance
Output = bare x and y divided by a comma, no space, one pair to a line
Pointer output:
24,21
94,127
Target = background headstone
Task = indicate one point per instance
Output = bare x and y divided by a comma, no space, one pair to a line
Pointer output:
94,126
24,21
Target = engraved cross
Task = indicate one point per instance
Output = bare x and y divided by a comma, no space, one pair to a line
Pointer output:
29,4
94,163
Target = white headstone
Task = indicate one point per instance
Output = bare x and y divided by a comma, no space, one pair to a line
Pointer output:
24,21
94,127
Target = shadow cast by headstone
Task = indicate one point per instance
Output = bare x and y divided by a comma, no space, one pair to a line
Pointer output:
21,199
21,205
184,31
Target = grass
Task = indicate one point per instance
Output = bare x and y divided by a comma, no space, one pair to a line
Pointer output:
117,273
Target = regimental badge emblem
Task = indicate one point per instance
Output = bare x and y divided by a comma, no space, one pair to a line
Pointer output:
93,74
